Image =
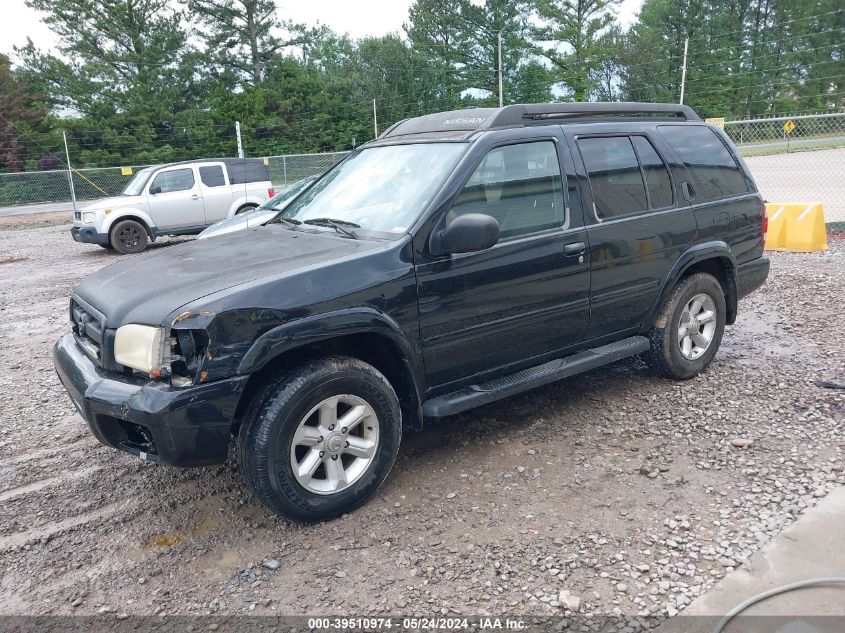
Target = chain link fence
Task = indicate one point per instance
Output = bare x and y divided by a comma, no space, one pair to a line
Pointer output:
796,158
40,187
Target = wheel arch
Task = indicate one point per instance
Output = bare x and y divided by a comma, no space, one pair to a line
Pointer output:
139,216
244,201
363,334
714,258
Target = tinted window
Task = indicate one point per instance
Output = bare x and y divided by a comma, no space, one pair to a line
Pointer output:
176,180
657,181
615,176
713,169
212,176
248,170
520,186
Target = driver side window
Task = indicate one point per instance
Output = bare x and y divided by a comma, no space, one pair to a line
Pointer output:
520,185
175,180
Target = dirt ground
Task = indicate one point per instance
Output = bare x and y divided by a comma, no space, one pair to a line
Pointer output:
613,492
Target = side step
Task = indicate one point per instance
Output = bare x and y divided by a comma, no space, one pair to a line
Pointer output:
498,388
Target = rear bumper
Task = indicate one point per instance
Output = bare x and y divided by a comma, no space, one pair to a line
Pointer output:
182,427
750,276
88,235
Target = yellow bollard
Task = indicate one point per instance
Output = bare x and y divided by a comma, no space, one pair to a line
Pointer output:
796,227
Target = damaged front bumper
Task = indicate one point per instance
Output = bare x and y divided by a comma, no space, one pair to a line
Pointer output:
187,426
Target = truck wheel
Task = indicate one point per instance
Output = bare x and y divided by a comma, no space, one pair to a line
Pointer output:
320,440
245,208
688,331
128,236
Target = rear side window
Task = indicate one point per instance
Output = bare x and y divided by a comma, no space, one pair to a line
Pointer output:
657,181
175,180
212,176
714,171
519,185
615,176
251,170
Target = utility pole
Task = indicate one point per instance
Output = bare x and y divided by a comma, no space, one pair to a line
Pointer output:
501,96
684,71
238,135
375,119
69,174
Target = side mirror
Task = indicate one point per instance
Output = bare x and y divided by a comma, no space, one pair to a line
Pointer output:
467,234
155,190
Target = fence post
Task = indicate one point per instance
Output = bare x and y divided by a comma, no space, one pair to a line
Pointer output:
69,173
285,168
238,134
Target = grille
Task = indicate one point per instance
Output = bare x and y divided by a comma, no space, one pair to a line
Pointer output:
88,326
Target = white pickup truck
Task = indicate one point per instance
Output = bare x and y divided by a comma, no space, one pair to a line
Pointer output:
174,199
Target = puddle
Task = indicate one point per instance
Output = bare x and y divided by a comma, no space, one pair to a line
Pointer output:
167,540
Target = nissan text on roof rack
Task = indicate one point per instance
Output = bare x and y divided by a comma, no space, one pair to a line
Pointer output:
460,258
174,199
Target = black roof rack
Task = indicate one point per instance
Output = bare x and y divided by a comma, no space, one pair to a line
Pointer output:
474,119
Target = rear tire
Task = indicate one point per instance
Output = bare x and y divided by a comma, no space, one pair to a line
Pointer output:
128,237
689,329
245,208
318,441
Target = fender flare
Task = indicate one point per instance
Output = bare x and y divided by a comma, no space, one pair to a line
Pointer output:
332,325
715,250
129,214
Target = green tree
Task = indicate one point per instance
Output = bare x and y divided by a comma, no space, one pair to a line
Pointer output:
20,112
244,35
570,37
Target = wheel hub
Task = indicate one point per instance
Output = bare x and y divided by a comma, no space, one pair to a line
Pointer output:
335,443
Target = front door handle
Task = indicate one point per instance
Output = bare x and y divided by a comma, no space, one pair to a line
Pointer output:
575,249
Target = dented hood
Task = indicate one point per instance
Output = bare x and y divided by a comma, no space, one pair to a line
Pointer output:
148,287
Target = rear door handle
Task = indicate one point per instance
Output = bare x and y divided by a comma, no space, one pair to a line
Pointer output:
195,197
575,249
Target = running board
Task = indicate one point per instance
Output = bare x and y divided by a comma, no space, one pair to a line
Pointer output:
498,388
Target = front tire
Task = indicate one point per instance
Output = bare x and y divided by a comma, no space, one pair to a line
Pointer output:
320,440
689,329
128,237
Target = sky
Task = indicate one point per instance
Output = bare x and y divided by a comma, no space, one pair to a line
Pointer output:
358,18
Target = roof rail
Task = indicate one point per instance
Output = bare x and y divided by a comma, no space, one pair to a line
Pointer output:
475,119
521,114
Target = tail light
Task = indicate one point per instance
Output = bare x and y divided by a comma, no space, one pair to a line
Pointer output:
270,192
765,221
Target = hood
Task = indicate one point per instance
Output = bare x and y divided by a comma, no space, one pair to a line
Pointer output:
114,203
148,287
249,220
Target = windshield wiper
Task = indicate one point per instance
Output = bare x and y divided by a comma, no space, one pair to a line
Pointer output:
289,221
337,225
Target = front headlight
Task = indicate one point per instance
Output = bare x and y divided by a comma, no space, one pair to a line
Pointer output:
141,347
88,217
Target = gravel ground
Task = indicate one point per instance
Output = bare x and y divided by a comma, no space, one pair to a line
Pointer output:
612,492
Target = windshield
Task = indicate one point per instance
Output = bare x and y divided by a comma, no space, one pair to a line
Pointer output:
379,188
135,186
283,198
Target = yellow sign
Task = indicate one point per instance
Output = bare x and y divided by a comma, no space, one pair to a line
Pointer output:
789,126
125,171
718,121
266,161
